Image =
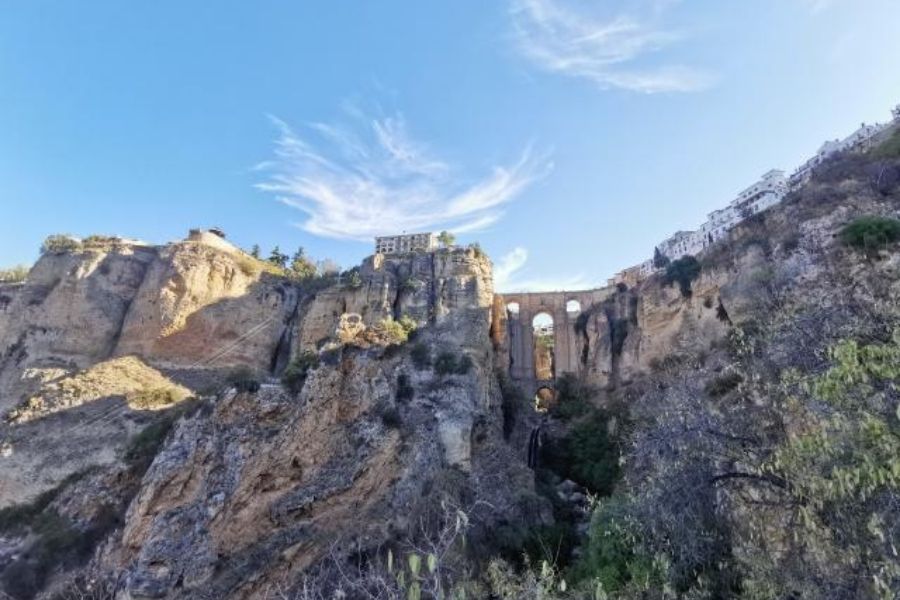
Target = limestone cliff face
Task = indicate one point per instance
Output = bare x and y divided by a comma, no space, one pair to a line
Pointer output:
243,500
429,287
69,313
634,329
260,486
202,307
66,389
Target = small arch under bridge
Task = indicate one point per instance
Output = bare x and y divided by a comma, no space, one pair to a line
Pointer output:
517,312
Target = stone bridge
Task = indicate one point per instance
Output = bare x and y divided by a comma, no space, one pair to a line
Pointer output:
518,312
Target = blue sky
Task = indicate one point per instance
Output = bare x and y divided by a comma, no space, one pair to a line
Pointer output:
566,136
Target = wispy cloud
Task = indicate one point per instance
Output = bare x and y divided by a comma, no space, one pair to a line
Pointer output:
368,176
508,271
612,52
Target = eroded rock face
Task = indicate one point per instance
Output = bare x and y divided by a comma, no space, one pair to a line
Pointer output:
245,498
69,312
429,287
200,306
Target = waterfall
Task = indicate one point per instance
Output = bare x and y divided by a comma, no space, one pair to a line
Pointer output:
534,445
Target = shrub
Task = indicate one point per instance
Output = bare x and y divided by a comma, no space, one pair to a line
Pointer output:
296,372
445,363
145,445
420,355
397,332
391,418
353,279
244,379
405,390
15,274
791,242
449,363
890,148
723,384
513,400
573,397
100,240
60,244
587,455
611,557
669,362
869,234
682,271
153,398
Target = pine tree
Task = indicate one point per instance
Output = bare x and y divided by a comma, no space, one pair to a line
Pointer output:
301,267
278,258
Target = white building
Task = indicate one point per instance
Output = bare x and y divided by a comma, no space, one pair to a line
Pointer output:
854,141
681,243
768,191
407,242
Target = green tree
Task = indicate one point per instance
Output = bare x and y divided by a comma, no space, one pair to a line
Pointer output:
254,252
446,239
682,271
660,260
278,258
301,267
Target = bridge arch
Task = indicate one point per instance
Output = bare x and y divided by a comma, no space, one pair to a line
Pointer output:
564,308
542,350
544,398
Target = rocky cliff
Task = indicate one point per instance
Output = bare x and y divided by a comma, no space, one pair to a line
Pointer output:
108,342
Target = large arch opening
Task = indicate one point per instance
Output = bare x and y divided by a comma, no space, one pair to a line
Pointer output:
544,399
544,367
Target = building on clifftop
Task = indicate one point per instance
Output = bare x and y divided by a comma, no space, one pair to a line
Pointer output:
407,242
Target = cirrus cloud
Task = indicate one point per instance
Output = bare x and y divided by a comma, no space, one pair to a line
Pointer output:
368,176
613,52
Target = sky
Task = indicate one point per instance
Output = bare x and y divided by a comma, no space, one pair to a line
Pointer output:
567,137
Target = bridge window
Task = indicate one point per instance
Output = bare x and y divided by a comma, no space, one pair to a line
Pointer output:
573,306
544,399
544,369
512,310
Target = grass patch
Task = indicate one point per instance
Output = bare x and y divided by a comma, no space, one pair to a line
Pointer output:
154,398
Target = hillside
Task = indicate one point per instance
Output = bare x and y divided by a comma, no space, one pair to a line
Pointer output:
184,421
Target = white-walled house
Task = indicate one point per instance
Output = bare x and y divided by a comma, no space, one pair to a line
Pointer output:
855,140
768,191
